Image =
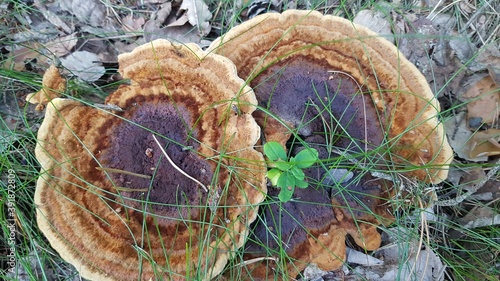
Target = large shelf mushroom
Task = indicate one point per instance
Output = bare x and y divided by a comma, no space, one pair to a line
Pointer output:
112,204
324,77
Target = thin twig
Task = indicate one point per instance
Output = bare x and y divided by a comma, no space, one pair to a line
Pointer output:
127,189
247,262
111,170
177,168
459,199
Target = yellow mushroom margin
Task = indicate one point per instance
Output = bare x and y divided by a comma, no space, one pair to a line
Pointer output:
110,202
407,107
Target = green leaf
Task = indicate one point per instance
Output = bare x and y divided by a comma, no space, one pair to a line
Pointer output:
306,158
282,165
285,194
273,176
286,180
301,184
297,173
274,151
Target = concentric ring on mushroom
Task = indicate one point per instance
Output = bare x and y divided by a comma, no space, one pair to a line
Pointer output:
163,181
324,82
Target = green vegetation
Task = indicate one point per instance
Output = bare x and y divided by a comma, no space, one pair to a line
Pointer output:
288,174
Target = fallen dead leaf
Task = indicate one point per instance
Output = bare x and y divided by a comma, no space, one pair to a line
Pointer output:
480,217
52,17
427,49
180,21
488,55
62,45
484,100
85,65
131,24
459,135
376,21
198,15
92,12
485,143
19,57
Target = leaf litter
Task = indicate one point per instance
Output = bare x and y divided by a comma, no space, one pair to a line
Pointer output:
458,55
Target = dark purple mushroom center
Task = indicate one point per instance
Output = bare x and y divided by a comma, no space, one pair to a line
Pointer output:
315,99
326,108
169,193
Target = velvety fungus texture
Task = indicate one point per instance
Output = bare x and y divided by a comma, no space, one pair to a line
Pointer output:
112,204
291,58
348,92
53,86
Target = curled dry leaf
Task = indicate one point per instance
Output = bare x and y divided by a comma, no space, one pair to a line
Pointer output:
484,100
485,143
85,65
92,12
376,21
131,24
61,46
479,217
459,135
53,84
198,15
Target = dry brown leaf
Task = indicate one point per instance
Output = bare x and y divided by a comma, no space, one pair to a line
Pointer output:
480,217
376,21
484,101
52,17
131,24
180,21
198,15
92,12
485,143
459,135
85,65
62,45
17,59
53,85
488,55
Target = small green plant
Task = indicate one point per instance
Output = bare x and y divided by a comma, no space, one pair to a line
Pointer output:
288,174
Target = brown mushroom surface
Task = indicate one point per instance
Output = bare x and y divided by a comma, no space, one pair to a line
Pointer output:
348,92
111,203
290,58
312,228
53,85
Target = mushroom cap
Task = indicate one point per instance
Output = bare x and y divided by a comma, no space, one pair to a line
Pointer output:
112,224
311,228
333,83
53,85
406,108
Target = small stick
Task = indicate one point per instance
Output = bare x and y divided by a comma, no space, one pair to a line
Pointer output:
126,189
177,168
459,199
247,262
111,170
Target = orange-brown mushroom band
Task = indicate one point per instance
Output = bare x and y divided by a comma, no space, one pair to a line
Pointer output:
278,51
350,94
114,205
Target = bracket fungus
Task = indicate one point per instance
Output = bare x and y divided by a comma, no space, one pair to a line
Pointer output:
53,85
288,58
326,81
111,203
312,228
